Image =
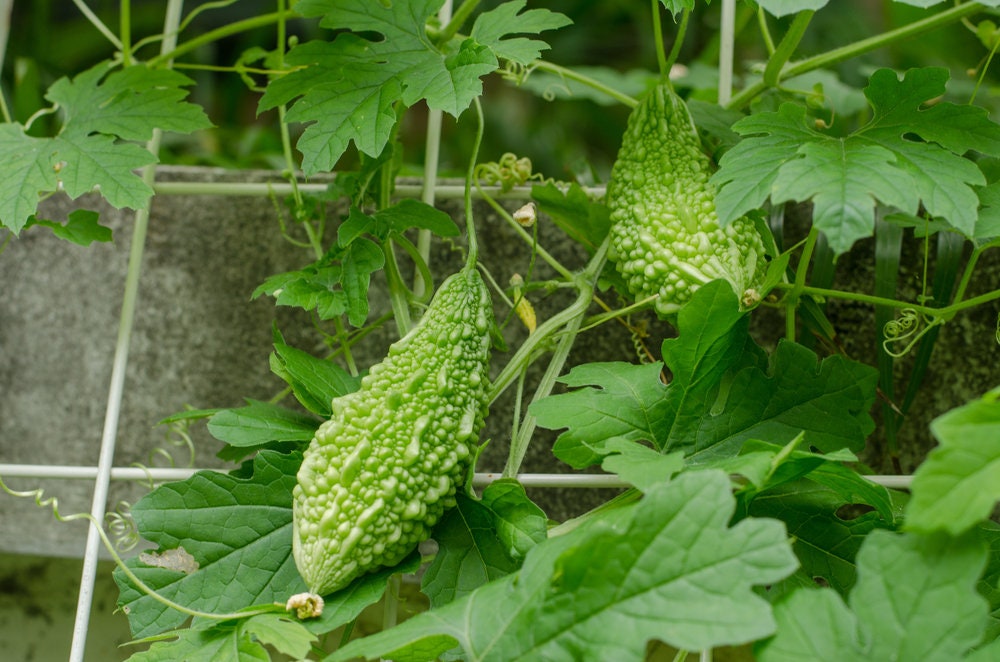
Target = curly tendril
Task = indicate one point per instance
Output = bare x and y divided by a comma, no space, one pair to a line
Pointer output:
122,527
52,503
906,330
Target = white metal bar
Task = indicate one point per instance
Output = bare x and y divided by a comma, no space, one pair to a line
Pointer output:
282,188
160,475
116,389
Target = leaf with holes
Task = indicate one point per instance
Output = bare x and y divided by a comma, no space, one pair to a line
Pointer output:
606,588
915,600
239,531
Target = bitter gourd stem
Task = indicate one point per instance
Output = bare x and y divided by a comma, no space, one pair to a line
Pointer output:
470,176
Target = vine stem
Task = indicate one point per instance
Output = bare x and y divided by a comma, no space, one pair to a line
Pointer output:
592,83
52,503
857,48
470,227
568,323
675,50
98,23
456,21
219,33
661,51
801,272
786,47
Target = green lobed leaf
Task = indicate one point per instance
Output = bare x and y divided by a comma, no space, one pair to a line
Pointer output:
640,465
261,422
825,543
238,530
283,633
103,111
667,567
748,170
620,400
847,180
469,554
129,103
492,29
722,393
346,88
829,400
827,470
409,213
958,484
914,600
219,644
82,227
360,260
910,153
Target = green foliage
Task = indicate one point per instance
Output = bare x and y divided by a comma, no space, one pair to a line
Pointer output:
350,86
782,157
749,519
915,599
241,641
104,112
82,227
227,525
723,393
599,590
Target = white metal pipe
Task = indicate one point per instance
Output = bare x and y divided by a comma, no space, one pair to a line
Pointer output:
282,188
160,475
116,388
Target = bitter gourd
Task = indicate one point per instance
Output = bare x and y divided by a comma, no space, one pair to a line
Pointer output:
381,472
665,235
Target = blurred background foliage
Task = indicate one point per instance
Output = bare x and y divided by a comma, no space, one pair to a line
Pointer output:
50,39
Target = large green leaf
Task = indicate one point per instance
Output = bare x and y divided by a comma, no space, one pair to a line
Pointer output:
347,88
722,394
668,567
907,155
612,400
958,484
825,542
103,113
238,531
915,600
469,555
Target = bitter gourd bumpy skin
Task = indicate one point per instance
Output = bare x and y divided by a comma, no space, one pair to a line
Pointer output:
665,234
382,471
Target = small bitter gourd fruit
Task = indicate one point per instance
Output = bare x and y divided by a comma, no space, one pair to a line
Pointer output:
665,234
382,471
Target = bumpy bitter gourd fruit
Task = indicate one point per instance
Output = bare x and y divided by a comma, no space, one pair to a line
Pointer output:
382,471
665,234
